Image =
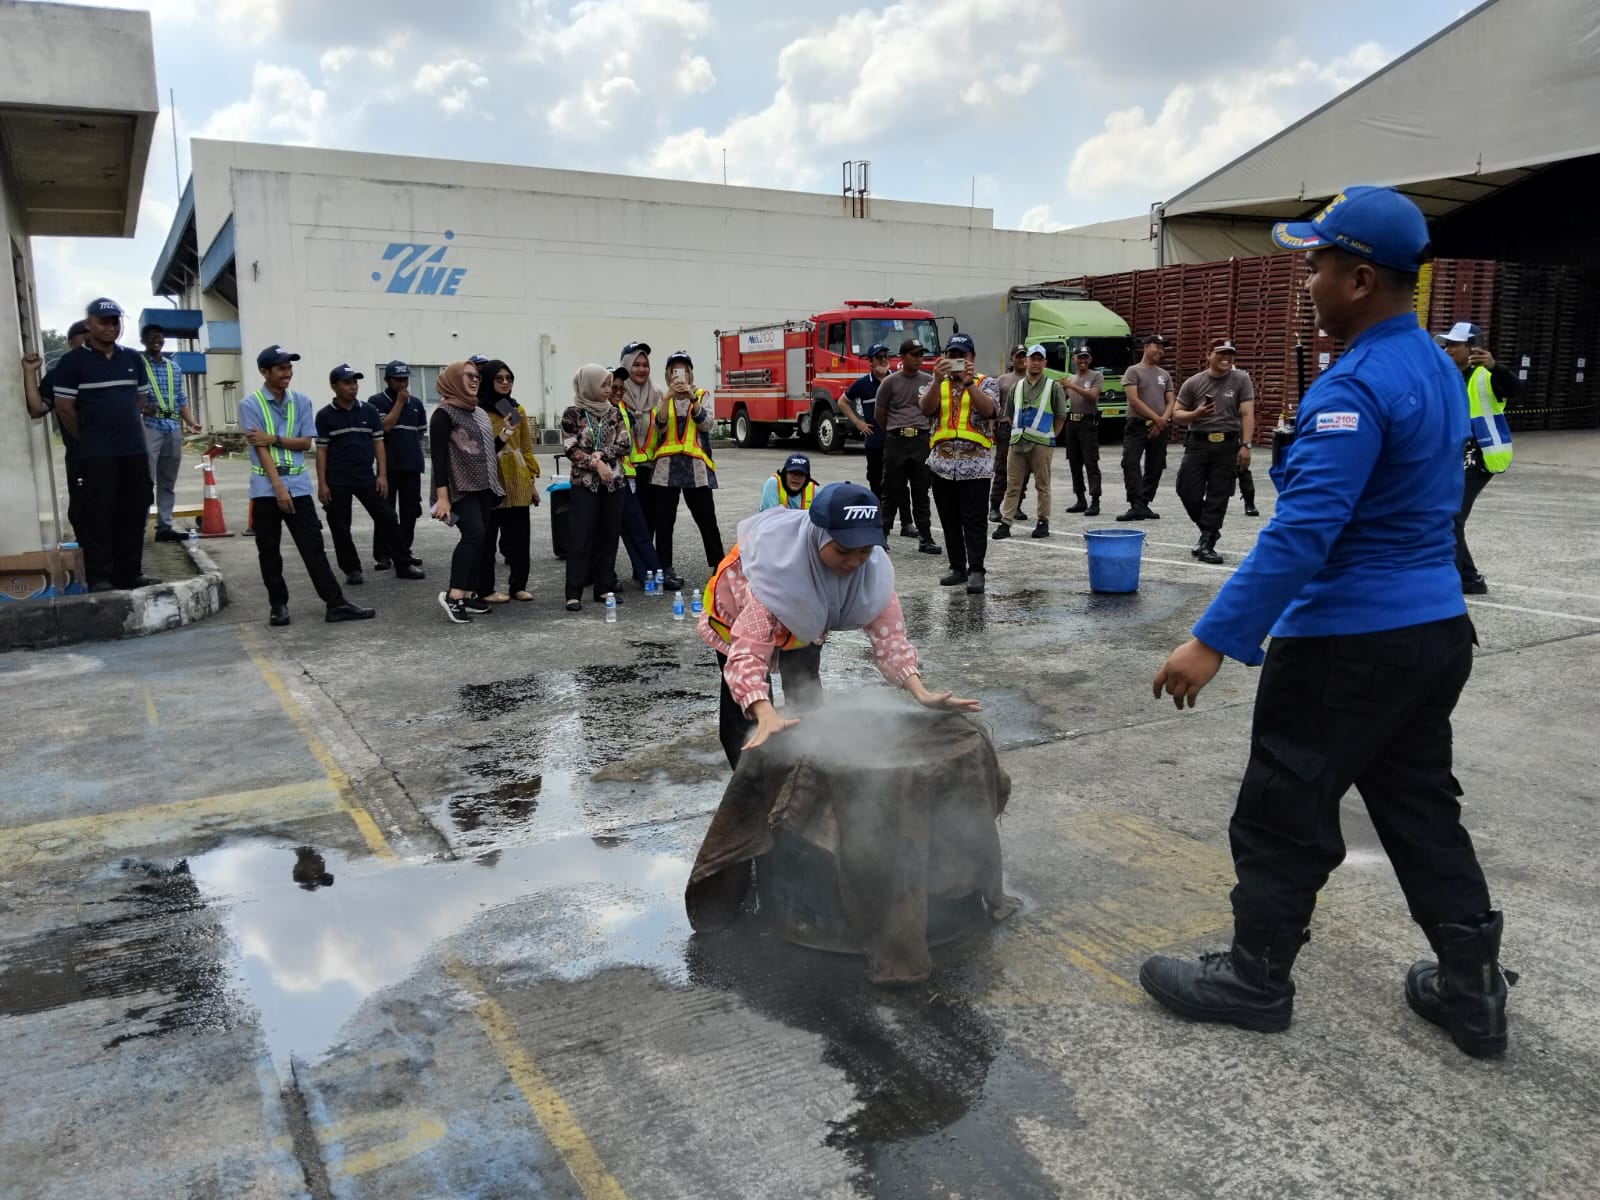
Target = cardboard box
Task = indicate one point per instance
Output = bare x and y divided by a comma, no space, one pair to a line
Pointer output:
41,574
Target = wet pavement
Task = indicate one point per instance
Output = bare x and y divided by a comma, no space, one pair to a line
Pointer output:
396,909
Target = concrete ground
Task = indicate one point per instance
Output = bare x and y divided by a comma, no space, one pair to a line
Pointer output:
476,978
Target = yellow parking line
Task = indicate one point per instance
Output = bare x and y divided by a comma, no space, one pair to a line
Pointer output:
376,842
150,707
548,1107
419,1131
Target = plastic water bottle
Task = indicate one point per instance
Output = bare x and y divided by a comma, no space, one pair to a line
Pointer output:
611,608
649,584
661,582
696,607
194,536
677,606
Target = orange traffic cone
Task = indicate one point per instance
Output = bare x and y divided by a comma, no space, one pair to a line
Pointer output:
212,524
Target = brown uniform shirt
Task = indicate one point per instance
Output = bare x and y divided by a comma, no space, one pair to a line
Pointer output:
1226,393
899,394
1153,383
1089,380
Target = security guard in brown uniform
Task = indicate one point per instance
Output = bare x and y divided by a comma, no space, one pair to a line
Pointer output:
1217,406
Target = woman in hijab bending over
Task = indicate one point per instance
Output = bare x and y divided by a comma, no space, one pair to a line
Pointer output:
683,463
794,575
466,483
593,437
519,474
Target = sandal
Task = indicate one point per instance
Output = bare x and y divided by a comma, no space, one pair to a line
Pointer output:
522,596
496,598
574,605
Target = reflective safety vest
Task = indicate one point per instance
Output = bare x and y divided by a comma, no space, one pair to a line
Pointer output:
638,454
959,423
721,625
806,492
283,458
685,440
1489,428
166,401
1044,417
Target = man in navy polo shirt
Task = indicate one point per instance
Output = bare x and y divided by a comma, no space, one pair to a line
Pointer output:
278,424
349,441
100,393
405,424
166,416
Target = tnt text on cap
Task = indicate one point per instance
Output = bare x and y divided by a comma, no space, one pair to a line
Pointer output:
275,356
797,462
344,371
850,514
103,308
395,369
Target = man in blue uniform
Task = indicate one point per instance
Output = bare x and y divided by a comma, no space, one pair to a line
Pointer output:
1355,579
405,424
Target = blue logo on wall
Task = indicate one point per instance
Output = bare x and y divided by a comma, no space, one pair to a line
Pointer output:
420,270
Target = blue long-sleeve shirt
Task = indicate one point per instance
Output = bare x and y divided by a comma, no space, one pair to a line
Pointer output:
1362,538
166,392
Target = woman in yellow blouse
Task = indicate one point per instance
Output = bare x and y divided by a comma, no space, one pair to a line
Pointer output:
519,474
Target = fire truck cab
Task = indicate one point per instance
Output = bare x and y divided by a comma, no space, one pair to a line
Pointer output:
789,378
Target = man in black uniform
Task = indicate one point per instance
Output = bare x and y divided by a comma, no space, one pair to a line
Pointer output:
405,424
1217,406
1151,400
349,440
1247,491
861,407
40,395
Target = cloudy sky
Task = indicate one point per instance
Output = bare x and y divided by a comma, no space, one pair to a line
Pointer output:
1064,111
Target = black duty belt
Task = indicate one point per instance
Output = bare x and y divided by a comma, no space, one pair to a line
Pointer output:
1082,416
1220,438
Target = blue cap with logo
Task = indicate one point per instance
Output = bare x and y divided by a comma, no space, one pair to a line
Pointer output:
342,372
797,462
477,360
850,514
876,349
103,308
633,348
960,343
682,356
395,369
275,356
1375,223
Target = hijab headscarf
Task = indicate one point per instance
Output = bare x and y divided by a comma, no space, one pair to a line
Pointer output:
586,389
779,549
639,397
452,386
487,396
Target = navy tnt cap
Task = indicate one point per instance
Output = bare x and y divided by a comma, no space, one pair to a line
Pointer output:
275,356
1375,223
395,369
103,308
680,356
633,348
342,372
876,349
850,514
797,462
960,344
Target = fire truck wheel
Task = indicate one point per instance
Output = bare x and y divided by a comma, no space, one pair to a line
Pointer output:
825,428
748,435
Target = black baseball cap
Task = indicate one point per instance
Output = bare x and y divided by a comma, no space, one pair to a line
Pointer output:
876,349
395,369
912,346
78,329
850,514
960,343
342,372
1153,339
275,356
620,373
680,356
103,308
633,348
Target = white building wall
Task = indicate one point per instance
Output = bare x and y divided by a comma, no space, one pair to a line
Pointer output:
552,269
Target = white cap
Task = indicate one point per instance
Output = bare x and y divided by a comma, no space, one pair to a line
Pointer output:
1461,331
1037,349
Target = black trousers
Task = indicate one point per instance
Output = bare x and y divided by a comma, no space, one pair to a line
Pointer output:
1002,447
901,503
964,514
471,511
594,525
802,688
702,507
385,529
1247,485
1137,444
405,502
1082,440
269,522
1476,480
1205,480
113,503
637,539
1371,710
75,496
512,528
905,467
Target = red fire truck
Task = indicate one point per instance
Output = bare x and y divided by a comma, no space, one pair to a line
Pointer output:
790,377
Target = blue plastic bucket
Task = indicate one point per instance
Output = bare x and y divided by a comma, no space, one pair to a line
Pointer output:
1114,559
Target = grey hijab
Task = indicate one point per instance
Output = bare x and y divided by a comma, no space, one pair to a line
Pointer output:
778,550
640,398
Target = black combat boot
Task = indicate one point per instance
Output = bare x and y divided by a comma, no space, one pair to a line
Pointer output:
1247,985
1094,507
1081,506
1465,991
1206,551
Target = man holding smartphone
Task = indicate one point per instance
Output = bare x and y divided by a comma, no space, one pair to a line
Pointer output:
907,430
1490,387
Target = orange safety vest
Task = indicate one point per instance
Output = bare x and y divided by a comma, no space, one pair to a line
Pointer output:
959,424
637,454
685,441
806,492
724,628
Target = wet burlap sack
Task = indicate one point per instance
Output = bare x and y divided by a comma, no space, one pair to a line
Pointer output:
903,801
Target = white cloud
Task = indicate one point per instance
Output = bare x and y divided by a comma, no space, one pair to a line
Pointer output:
1039,220
282,107
1201,126
451,84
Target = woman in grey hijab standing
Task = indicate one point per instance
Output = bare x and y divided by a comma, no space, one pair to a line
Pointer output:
593,438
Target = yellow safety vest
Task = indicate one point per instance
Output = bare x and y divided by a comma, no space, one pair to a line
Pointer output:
1489,427
806,492
284,458
720,625
959,424
628,468
165,401
686,440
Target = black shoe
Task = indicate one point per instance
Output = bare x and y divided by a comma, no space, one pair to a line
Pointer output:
907,531
928,546
1150,514
354,578
101,586
166,533
1206,551
1247,986
280,615
1021,516
1081,506
381,564
1041,530
953,579
476,605
1001,532
1199,545
140,581
1094,508
455,609
346,611
1476,586
974,583
408,572
415,561
672,583
994,516
1465,991
1250,510
1133,514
